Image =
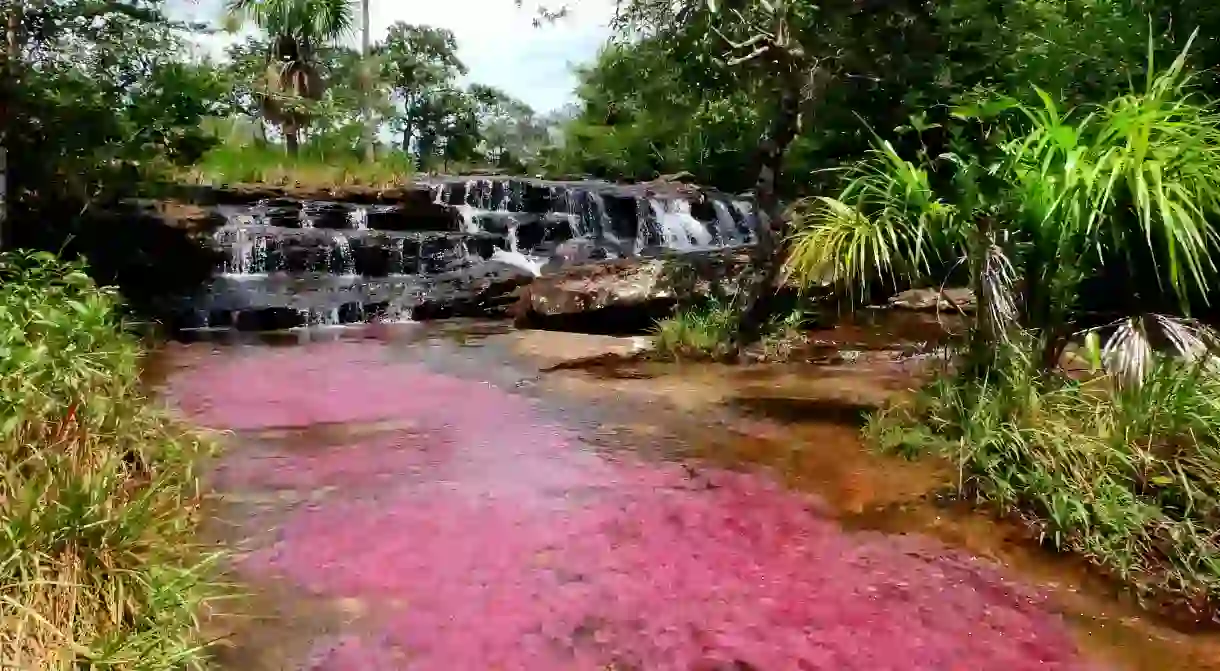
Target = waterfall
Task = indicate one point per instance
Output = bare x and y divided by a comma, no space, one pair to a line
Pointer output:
517,260
247,251
398,257
726,225
342,252
679,229
358,218
285,262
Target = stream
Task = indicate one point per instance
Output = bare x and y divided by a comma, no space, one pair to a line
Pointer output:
442,496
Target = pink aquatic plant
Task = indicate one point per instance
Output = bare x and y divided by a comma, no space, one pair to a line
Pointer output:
488,537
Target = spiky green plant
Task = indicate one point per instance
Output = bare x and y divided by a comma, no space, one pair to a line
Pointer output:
98,497
1127,476
1074,191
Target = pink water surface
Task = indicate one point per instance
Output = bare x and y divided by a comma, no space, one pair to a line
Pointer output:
488,537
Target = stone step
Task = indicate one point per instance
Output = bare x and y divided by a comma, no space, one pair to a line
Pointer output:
258,249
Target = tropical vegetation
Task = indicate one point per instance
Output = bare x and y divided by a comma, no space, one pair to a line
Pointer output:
1061,159
99,502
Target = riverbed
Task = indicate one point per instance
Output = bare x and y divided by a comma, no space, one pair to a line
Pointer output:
461,496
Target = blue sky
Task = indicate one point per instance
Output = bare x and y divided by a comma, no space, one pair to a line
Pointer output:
496,40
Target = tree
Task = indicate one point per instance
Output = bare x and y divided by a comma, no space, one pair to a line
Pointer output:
421,64
296,28
366,82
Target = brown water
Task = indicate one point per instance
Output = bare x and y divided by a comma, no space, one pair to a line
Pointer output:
800,422
797,422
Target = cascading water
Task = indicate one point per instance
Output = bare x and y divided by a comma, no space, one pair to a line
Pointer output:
679,229
247,251
287,263
358,218
345,261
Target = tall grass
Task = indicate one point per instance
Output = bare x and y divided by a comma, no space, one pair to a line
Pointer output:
98,495
233,163
1126,475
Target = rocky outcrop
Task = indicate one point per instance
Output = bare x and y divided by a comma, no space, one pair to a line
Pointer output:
627,295
486,289
929,300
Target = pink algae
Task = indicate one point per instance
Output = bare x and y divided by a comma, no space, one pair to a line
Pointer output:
508,545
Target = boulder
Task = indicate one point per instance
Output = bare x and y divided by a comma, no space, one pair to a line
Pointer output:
927,300
628,295
485,289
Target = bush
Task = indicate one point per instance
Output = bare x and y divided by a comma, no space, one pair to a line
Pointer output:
1126,475
98,494
313,166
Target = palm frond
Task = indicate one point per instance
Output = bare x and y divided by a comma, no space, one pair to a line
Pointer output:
1131,351
997,301
1140,170
315,21
880,227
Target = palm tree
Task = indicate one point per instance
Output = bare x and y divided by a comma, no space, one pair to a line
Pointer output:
1127,186
295,28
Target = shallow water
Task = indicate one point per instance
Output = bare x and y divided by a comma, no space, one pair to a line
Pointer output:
425,498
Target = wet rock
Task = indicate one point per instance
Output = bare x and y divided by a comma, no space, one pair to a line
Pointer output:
485,289
628,294
934,299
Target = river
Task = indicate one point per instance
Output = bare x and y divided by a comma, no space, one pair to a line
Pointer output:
443,497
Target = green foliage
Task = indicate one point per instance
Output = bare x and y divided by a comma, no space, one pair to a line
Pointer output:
702,331
100,101
667,95
295,29
316,165
98,495
1128,477
1133,183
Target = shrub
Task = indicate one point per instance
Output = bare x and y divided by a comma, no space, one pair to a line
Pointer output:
98,494
1126,475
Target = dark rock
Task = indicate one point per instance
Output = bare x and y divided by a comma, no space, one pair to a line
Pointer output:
268,319
485,289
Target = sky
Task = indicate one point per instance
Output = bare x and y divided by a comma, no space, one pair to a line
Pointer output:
496,39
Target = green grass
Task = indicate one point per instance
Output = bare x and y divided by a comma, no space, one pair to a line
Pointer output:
707,330
98,496
702,332
229,164
1127,476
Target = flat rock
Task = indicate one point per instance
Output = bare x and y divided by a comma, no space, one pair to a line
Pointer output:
629,283
957,298
485,289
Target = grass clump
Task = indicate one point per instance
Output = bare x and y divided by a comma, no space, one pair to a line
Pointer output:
700,331
707,330
98,495
312,167
1127,475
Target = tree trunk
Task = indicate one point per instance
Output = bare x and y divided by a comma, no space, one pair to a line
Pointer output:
292,138
370,152
8,91
767,257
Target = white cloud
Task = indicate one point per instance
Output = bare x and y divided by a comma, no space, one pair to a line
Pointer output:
496,39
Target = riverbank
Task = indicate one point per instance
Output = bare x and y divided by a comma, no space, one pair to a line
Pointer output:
98,493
